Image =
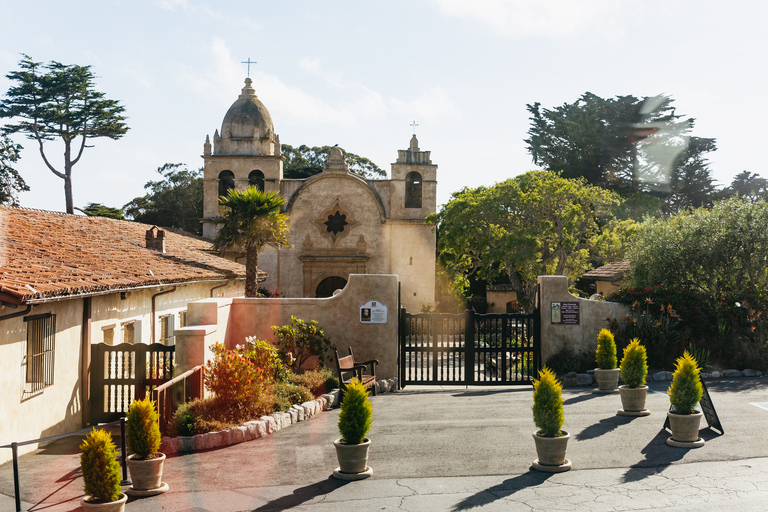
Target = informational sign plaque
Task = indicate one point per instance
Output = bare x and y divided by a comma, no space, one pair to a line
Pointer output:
373,312
565,313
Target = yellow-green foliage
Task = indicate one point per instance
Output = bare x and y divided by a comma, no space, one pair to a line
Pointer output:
685,390
606,350
548,404
634,364
98,463
356,414
142,431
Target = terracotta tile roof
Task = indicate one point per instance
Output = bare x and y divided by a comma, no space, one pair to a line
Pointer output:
48,255
609,272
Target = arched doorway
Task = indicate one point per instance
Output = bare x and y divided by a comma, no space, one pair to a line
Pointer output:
329,285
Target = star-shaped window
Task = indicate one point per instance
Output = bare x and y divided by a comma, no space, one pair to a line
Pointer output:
336,223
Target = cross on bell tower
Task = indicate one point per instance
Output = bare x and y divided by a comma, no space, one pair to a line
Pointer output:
249,62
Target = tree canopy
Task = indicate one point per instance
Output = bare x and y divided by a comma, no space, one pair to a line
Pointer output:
57,101
251,222
715,250
11,182
176,201
304,161
538,223
624,144
100,210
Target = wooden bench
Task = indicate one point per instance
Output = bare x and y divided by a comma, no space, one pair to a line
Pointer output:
349,369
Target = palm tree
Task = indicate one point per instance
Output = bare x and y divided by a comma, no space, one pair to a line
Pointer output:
251,222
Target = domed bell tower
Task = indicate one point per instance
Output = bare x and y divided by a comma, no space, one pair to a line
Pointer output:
245,153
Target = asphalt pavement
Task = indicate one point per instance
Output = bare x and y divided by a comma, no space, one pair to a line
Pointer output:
453,449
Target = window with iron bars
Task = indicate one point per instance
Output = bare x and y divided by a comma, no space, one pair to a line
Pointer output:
41,347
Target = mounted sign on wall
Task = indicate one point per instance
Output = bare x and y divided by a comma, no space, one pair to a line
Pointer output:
565,313
373,312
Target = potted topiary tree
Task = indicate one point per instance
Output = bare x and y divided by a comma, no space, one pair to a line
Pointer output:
684,393
551,441
143,439
101,473
606,373
355,421
634,368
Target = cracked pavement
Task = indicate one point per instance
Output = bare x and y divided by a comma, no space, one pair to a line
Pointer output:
454,449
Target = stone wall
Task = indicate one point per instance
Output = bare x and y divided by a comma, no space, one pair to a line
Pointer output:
232,320
581,337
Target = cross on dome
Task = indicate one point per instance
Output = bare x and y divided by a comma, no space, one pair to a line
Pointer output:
249,62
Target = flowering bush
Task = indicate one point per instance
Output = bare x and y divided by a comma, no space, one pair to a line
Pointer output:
234,378
266,357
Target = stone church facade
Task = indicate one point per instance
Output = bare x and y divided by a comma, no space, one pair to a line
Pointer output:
341,224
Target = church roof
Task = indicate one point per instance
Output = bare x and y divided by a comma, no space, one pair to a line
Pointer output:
614,271
50,255
247,117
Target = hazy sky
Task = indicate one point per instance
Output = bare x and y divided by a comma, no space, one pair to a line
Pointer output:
358,73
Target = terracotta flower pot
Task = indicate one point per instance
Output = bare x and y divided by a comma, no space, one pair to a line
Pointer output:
353,458
633,401
685,427
607,380
146,475
551,453
112,506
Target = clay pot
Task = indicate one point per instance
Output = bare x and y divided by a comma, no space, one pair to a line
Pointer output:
112,506
551,450
685,427
607,380
146,474
633,400
353,458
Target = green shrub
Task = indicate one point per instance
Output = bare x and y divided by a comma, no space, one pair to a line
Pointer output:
548,404
142,431
287,395
98,462
204,415
685,390
634,366
566,360
183,421
319,381
356,416
301,340
606,350
266,357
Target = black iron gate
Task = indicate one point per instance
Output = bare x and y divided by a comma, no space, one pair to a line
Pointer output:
123,372
469,348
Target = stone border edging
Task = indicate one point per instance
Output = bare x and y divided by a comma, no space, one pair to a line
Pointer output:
256,429
573,379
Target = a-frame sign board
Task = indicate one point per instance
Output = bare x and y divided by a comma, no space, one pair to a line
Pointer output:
708,409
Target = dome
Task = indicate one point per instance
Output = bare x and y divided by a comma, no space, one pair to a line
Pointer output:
247,117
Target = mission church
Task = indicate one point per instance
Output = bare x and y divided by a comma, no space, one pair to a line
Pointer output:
341,224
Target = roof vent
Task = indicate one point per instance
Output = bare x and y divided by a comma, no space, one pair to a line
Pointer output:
156,239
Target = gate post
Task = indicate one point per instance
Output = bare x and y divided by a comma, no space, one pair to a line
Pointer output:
469,347
401,347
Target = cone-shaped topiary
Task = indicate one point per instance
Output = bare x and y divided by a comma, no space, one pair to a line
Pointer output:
606,350
143,431
548,404
634,365
685,390
98,463
356,414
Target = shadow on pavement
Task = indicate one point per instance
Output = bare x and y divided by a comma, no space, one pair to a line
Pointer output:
303,494
603,427
658,456
502,490
582,398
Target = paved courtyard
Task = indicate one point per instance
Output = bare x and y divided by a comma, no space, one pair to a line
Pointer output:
457,449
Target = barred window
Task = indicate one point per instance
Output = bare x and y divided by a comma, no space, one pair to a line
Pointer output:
129,332
41,347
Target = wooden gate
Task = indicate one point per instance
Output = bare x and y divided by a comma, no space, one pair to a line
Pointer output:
469,348
123,372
